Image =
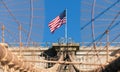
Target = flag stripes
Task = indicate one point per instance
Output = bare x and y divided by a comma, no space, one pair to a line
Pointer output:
57,22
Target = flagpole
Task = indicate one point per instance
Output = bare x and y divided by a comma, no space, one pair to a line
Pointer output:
66,28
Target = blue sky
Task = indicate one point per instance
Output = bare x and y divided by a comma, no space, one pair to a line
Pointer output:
102,22
78,15
19,11
52,9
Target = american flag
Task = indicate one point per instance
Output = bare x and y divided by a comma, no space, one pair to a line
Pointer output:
57,22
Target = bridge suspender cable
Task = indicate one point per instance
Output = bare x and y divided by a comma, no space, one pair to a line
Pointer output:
101,14
31,21
110,27
93,35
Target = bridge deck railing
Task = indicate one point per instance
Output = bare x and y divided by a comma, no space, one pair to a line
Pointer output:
49,44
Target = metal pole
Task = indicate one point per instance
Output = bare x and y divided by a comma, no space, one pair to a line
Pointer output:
66,27
107,39
3,28
20,38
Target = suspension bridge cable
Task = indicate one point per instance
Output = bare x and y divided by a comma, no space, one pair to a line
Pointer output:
31,20
110,27
104,34
115,38
101,14
15,19
93,35
110,42
12,15
92,17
